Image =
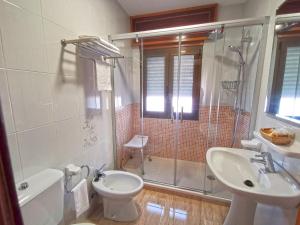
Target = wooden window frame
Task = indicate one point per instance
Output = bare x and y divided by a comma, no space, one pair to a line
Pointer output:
169,53
167,19
210,10
288,7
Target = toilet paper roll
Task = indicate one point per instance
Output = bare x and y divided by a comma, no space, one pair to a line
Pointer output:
71,170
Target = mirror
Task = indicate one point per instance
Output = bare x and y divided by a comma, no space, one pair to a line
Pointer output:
283,100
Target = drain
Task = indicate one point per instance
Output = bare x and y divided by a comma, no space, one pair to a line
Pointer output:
249,183
211,177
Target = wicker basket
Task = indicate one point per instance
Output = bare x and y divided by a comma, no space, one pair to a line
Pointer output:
267,133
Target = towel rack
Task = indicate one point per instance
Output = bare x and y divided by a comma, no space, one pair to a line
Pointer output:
95,46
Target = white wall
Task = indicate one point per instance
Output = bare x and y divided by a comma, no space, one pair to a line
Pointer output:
44,89
230,12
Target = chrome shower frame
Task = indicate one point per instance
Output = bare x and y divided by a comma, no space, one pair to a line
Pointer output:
192,28
264,21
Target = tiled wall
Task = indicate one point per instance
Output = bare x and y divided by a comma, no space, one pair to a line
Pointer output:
44,89
124,131
194,136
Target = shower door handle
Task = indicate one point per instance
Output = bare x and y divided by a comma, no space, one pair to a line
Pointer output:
172,114
181,115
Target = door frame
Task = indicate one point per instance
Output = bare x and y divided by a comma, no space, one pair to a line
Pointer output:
10,213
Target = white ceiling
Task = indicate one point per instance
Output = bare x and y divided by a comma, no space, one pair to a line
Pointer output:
137,7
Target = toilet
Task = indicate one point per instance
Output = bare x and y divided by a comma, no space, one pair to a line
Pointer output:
42,201
118,189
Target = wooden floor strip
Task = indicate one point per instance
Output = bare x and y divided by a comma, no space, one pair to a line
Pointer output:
159,208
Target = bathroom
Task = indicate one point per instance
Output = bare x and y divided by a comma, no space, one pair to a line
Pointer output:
140,112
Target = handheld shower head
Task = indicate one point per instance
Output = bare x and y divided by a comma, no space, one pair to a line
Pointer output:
238,50
234,48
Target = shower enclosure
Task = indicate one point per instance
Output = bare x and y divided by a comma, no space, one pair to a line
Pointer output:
186,89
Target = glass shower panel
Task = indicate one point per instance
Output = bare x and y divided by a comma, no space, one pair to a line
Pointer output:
193,109
127,106
157,110
236,62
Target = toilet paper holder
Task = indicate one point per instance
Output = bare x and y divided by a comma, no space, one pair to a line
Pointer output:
72,170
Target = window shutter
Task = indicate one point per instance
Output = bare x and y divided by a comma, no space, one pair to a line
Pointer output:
290,95
186,83
155,70
291,81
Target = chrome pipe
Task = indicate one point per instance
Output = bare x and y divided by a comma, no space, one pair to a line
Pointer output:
172,114
190,28
293,17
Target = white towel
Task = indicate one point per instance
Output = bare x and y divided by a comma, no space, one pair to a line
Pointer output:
81,199
103,76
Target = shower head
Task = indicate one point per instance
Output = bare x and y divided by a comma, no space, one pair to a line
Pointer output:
238,50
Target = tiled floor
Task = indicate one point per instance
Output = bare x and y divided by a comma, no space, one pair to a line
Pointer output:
166,209
189,174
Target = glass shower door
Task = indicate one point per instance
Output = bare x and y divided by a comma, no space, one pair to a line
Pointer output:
190,170
232,97
157,112
170,81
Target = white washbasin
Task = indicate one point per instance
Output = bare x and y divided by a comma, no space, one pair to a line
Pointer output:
232,167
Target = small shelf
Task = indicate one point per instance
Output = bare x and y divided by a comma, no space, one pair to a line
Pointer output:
96,46
292,150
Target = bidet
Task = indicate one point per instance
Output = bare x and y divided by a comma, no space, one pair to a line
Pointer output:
118,189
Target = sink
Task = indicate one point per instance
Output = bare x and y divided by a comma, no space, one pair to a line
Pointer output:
249,184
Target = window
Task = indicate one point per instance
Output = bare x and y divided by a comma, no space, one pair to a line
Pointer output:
290,95
162,88
285,98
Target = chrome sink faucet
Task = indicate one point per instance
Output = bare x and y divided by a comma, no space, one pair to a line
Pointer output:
266,159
